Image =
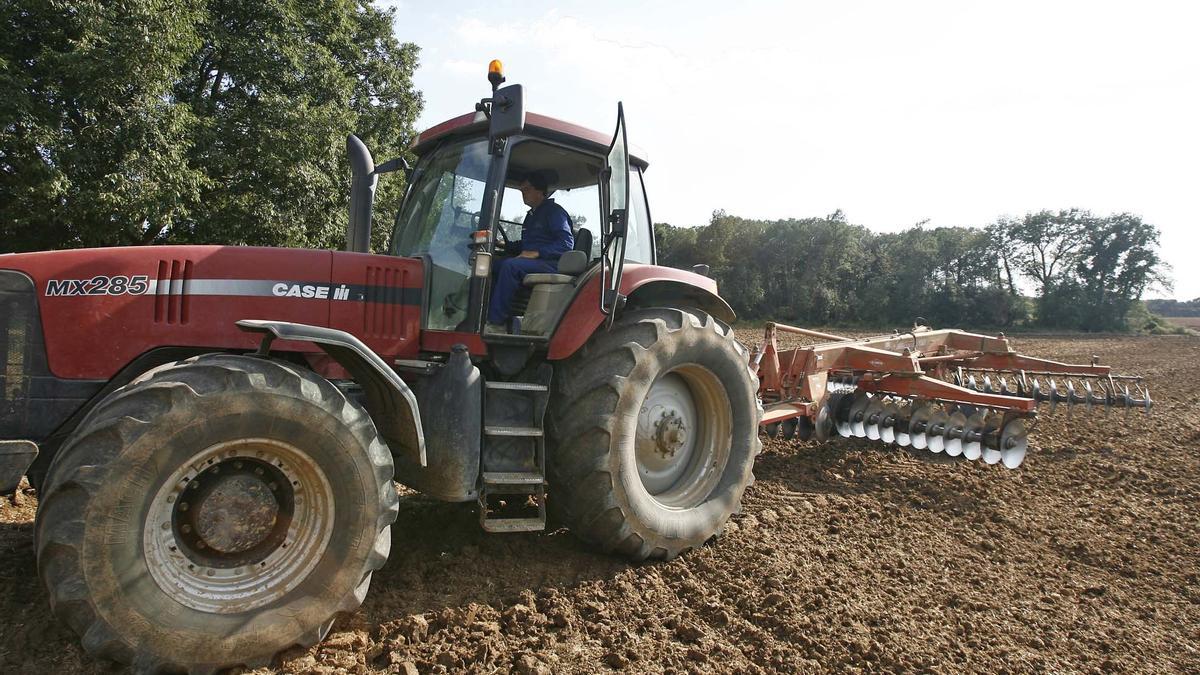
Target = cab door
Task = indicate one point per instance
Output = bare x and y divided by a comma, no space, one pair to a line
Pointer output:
615,217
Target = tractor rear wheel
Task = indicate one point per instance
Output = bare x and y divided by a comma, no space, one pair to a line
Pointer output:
654,430
215,512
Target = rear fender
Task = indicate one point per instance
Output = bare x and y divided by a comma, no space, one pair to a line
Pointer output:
392,405
643,286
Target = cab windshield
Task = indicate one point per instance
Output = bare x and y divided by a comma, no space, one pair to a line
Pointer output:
441,212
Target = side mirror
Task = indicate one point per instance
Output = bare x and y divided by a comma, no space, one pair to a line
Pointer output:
508,112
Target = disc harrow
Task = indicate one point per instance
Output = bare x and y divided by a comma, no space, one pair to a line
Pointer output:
946,391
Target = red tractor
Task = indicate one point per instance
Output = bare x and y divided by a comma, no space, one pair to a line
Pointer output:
214,431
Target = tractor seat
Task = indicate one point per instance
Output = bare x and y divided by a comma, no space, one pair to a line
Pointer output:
570,266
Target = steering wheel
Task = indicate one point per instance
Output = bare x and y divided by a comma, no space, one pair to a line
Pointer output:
503,234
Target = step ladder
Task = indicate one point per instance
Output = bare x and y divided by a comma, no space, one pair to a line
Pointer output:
514,450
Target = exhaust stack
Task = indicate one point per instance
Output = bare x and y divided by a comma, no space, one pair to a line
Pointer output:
362,195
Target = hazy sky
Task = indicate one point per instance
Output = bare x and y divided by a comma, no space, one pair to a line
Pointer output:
955,112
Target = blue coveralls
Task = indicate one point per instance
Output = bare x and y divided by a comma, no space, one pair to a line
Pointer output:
547,230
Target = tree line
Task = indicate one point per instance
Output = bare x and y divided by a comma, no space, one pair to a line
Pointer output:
1067,269
194,121
1167,307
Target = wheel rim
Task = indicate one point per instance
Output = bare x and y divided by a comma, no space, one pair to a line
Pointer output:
684,434
238,525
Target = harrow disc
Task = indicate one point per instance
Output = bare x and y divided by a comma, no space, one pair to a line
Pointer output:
919,424
991,435
872,418
858,411
954,433
1014,441
903,420
888,421
841,414
824,424
972,444
804,428
934,438
772,430
787,429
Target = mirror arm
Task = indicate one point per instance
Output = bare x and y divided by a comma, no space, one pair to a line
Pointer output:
394,165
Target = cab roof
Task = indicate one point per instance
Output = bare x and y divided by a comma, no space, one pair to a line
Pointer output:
539,126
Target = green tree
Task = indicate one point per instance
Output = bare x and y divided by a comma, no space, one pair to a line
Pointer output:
676,246
199,121
1118,261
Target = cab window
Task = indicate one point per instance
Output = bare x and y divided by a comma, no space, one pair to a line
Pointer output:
575,187
639,246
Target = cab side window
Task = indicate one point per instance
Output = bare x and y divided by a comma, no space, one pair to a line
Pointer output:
639,246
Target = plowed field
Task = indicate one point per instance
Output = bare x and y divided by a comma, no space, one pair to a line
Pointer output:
846,557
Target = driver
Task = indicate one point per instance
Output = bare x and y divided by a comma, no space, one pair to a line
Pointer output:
546,236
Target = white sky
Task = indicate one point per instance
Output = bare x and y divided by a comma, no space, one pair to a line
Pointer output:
956,112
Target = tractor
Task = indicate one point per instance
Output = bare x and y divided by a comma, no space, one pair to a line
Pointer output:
214,431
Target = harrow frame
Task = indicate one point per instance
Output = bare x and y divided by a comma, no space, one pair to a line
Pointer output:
922,367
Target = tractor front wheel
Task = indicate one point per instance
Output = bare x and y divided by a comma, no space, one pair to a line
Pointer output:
213,513
654,430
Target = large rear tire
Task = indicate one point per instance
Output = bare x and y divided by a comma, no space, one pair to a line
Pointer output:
653,430
213,513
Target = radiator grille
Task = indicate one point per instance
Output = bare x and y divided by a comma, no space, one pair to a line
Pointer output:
21,348
171,298
384,312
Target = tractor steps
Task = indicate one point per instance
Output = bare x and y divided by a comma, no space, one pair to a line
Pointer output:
512,483
503,478
517,386
530,432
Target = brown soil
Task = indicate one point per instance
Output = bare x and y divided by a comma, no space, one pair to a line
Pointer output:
847,557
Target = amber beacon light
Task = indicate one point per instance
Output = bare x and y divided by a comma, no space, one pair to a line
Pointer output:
495,72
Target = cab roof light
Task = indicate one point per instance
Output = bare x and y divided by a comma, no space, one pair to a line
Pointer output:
495,73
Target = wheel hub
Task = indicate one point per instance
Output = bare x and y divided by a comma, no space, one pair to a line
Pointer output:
238,525
683,436
670,433
233,511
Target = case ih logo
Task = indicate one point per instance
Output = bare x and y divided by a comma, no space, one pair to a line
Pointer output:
99,285
319,291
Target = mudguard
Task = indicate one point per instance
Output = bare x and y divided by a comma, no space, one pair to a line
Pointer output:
392,405
643,286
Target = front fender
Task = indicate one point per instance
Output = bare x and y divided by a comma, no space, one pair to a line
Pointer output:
643,286
392,405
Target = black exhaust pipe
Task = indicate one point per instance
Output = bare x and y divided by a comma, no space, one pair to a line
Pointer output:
362,195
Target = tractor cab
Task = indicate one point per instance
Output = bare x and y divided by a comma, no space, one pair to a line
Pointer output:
463,210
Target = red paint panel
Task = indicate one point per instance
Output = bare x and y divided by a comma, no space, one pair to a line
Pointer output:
388,319
443,341
94,336
584,317
424,141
